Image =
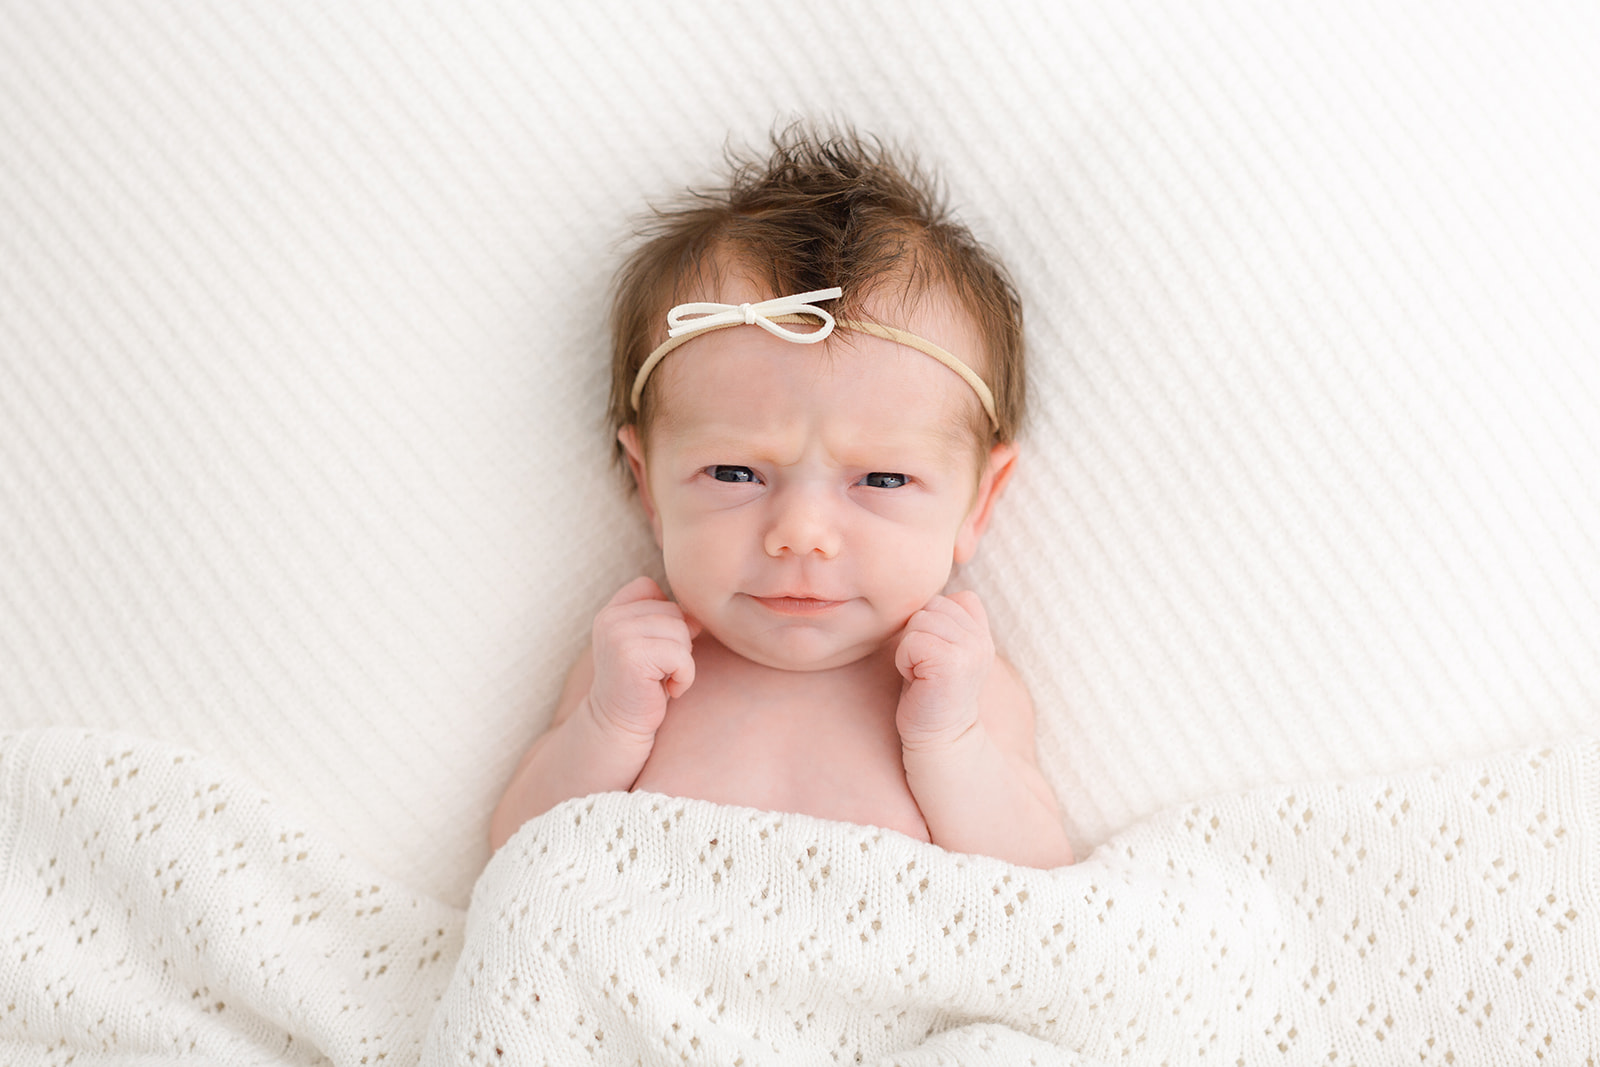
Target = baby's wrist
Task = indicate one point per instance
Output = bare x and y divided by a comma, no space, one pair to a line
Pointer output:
957,742
609,733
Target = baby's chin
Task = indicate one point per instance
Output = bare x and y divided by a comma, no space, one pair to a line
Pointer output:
798,647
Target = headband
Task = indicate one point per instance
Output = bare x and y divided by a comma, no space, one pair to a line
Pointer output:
688,321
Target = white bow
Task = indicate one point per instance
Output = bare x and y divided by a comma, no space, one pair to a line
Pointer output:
709,316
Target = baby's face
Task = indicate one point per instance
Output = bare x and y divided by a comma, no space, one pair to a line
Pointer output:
808,499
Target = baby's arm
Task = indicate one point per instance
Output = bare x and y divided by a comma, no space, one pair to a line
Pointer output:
614,699
966,732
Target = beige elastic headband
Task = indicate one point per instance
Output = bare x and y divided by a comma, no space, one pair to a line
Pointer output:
771,314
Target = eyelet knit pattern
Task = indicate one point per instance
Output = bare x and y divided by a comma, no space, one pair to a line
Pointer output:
154,905
1442,917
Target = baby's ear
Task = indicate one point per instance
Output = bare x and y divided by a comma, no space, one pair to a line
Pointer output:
628,437
997,471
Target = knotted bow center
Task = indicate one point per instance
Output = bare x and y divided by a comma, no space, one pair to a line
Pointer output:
693,318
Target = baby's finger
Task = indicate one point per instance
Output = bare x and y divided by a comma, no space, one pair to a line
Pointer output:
675,664
649,628
964,608
679,682
942,620
640,589
907,655
970,603
919,651
638,640
643,609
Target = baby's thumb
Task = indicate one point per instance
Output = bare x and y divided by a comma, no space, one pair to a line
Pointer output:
910,654
679,681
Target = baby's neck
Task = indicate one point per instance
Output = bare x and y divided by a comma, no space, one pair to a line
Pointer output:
865,689
822,742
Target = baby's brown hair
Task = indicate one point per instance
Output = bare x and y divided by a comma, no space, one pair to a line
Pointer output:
825,209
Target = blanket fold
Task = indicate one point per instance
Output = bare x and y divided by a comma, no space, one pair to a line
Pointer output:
1446,916
155,908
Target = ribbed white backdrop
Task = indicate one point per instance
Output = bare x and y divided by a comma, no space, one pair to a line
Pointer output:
302,363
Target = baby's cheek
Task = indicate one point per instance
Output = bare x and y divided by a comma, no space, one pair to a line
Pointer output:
921,574
682,576
699,574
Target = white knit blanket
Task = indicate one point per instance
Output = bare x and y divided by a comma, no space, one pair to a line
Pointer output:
154,906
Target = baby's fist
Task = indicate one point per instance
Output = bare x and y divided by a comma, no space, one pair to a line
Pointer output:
643,656
945,655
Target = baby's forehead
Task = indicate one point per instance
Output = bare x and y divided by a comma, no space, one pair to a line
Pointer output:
851,390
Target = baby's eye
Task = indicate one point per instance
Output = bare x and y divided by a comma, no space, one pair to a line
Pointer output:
884,480
725,473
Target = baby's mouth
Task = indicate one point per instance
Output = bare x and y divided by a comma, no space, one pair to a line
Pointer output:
796,605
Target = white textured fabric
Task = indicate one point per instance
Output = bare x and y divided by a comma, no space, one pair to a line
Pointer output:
1443,917
302,372
156,908
154,905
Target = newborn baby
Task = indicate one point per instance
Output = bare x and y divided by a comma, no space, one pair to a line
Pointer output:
817,383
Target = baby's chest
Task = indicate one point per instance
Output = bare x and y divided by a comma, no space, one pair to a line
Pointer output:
787,743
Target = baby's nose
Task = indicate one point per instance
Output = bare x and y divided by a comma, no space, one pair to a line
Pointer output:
803,524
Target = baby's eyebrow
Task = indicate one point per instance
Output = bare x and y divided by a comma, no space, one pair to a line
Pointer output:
958,436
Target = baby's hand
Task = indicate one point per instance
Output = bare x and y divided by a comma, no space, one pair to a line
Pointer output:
642,658
945,655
